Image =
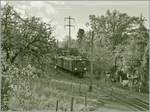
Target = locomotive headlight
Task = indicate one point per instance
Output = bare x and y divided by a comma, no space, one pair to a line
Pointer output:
84,68
75,68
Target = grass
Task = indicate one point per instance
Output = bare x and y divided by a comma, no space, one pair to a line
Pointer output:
62,86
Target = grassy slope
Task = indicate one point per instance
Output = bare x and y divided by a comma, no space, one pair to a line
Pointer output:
62,87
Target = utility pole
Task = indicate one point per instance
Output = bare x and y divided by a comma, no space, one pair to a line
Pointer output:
91,75
69,25
56,55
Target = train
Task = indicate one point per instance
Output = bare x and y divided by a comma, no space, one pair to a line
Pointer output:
75,64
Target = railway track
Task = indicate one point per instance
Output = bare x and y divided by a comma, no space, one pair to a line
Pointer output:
132,102
143,105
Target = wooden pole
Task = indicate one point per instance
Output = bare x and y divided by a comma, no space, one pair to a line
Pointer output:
56,105
111,94
91,75
72,100
85,101
80,88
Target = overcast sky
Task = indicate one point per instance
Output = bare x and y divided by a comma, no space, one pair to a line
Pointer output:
56,11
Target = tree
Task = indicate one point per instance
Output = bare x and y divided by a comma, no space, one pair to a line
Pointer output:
114,27
32,38
136,52
123,37
80,35
25,41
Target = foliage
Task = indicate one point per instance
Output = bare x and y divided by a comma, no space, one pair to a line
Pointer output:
19,86
32,38
120,43
27,47
114,27
80,35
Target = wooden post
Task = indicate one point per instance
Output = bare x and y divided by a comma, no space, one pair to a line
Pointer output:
51,83
98,83
56,105
72,100
85,100
62,107
65,109
91,75
56,56
71,84
111,93
79,88
72,87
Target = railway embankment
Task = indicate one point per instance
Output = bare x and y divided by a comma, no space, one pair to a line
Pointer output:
69,91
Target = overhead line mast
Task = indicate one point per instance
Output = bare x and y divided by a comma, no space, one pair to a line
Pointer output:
69,25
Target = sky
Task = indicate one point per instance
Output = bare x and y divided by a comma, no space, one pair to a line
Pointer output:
54,12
